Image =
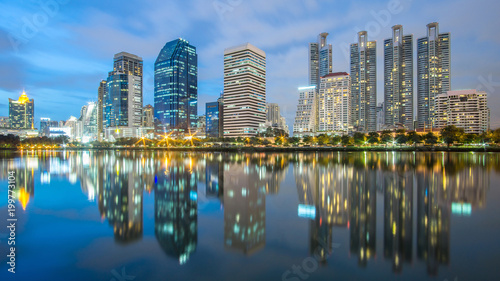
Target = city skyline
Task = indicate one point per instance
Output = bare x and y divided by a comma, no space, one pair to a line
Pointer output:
287,54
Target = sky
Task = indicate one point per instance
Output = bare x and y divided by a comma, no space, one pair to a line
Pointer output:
59,50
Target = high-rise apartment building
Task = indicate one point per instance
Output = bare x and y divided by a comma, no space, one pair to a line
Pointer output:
433,73
22,112
101,93
307,112
320,59
467,109
244,90
273,113
176,86
123,96
334,104
398,79
364,84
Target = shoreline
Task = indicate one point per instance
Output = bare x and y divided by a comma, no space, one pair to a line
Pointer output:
276,149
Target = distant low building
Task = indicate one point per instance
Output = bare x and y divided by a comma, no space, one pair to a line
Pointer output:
4,122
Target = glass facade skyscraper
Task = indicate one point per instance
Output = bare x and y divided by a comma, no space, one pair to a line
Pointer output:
433,73
22,112
213,119
123,95
398,79
320,60
364,84
176,86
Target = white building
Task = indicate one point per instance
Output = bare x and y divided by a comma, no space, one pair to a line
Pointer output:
244,90
467,109
307,112
334,104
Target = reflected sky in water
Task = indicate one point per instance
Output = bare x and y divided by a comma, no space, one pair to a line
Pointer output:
254,216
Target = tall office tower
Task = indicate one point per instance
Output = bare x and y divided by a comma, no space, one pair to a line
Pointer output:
467,109
212,119
433,73
320,59
88,119
123,97
364,84
101,93
244,90
148,116
334,104
176,86
307,112
273,115
22,112
398,79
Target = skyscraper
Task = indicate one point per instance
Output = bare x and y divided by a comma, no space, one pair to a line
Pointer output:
273,113
176,86
433,73
320,59
123,97
364,84
22,112
101,93
244,90
148,116
334,104
398,79
307,112
212,119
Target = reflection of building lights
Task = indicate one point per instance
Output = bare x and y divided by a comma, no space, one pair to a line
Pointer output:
461,209
24,198
306,211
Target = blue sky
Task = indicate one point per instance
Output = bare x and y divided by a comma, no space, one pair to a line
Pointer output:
59,50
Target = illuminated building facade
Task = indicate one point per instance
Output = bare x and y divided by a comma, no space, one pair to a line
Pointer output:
466,109
433,73
398,79
364,84
176,86
307,112
320,59
244,90
334,103
22,113
213,120
123,97
101,93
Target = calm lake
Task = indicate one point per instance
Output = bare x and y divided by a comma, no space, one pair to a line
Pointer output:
131,215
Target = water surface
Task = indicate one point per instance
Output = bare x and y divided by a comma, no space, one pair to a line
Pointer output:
241,216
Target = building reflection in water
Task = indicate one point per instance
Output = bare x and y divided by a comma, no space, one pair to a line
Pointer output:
335,190
176,203
397,181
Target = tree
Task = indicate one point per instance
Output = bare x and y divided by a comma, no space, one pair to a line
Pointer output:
496,136
335,140
307,139
430,138
386,137
401,137
470,138
279,140
346,140
293,140
323,139
373,137
451,134
414,138
359,138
